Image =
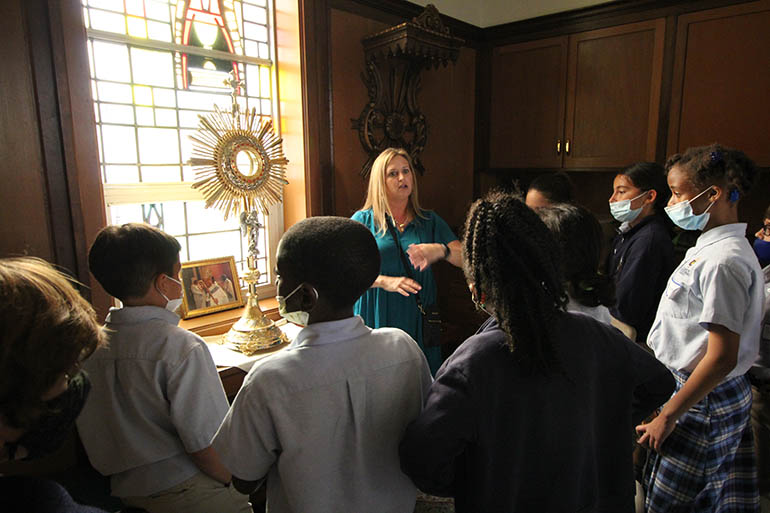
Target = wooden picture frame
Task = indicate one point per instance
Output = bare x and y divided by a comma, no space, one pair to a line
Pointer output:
210,286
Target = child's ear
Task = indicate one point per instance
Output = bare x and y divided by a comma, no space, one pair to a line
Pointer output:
309,297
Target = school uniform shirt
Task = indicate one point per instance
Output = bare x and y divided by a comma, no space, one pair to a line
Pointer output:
322,420
499,436
640,262
156,397
718,282
599,312
762,367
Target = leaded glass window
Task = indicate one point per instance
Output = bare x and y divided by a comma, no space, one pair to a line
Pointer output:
155,66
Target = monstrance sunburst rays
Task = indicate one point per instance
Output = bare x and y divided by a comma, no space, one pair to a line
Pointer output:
225,144
222,141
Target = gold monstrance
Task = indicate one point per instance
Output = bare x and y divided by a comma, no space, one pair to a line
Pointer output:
240,167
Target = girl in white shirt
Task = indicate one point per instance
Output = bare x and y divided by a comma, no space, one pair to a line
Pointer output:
706,333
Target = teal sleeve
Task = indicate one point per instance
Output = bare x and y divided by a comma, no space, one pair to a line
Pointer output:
442,233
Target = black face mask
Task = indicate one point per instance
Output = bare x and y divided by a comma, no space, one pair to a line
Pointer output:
50,431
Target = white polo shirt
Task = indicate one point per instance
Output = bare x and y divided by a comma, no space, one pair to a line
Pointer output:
718,282
156,397
323,419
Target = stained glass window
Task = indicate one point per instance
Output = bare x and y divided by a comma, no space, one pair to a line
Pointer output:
155,66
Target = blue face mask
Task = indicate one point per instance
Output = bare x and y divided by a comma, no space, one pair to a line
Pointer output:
762,249
682,215
622,211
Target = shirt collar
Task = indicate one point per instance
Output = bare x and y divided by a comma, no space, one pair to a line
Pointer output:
721,232
136,314
321,333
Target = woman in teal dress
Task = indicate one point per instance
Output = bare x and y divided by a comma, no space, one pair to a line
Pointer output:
424,238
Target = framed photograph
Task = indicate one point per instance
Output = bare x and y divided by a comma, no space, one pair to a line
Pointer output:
210,286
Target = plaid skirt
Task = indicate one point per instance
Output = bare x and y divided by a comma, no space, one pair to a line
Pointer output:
707,463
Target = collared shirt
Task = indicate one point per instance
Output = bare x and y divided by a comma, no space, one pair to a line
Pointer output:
156,397
764,342
718,282
323,418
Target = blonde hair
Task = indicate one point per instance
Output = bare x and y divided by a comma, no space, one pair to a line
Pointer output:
376,195
48,328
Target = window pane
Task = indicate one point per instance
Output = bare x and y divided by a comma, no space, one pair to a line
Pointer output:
137,27
152,68
159,31
111,62
142,95
160,173
202,219
107,21
164,97
122,114
157,10
114,5
165,117
111,92
215,245
119,143
158,146
145,116
122,174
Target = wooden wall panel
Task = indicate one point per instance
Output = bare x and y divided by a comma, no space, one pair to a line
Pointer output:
348,94
722,80
24,226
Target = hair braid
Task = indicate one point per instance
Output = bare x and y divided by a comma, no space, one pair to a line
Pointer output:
513,260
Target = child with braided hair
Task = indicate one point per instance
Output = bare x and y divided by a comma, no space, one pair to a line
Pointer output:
532,413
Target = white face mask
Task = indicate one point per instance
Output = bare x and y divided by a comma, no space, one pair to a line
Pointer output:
172,304
621,210
297,317
682,215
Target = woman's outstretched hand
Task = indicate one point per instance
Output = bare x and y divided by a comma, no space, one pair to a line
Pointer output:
423,255
400,284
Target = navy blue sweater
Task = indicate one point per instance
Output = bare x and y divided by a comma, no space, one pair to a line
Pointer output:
500,438
640,261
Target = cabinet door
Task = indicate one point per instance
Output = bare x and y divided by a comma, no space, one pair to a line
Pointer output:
613,95
527,95
721,86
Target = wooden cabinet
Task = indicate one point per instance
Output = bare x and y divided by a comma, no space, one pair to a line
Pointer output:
721,84
587,100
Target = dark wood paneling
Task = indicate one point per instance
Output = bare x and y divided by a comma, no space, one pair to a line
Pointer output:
316,101
392,12
595,17
722,80
528,94
24,222
613,95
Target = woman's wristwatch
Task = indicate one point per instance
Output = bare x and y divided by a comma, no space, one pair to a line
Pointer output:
446,251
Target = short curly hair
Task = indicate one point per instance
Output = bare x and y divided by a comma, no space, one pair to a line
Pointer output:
716,163
337,255
48,328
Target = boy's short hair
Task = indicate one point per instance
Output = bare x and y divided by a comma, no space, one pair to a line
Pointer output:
337,255
125,259
47,328
556,187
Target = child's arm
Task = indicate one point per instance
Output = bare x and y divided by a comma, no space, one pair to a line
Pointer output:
207,460
720,358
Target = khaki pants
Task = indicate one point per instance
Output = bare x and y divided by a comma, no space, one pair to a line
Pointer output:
199,494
